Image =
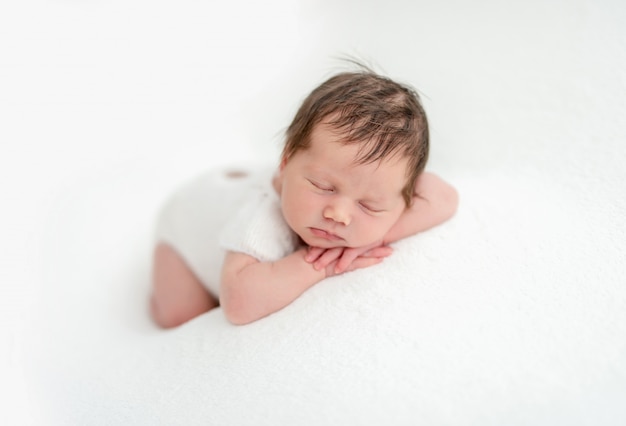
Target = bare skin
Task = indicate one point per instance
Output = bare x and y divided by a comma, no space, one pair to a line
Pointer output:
177,294
434,203
347,213
251,290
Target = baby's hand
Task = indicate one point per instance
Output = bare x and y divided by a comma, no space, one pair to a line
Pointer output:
342,259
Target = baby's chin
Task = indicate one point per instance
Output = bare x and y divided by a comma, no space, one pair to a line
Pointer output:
323,245
312,240
320,243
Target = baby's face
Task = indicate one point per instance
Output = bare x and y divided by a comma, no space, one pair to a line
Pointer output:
331,201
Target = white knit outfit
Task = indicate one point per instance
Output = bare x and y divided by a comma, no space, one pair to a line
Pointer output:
215,212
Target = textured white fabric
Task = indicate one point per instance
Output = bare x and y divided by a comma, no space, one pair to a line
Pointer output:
259,229
229,208
513,313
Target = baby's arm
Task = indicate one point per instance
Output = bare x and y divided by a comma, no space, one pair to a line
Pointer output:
251,289
434,202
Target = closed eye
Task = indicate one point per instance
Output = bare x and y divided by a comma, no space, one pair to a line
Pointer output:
370,208
320,186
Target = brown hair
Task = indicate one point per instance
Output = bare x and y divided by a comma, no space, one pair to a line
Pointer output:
386,117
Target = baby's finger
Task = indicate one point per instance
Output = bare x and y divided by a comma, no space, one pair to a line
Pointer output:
364,262
313,253
346,259
328,257
380,251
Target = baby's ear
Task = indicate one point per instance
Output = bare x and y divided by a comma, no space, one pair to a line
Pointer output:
277,179
277,182
283,163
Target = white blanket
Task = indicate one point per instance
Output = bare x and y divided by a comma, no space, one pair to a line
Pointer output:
513,312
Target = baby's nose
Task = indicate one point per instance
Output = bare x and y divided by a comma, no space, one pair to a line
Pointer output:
338,213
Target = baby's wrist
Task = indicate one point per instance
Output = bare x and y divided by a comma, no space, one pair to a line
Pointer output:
302,255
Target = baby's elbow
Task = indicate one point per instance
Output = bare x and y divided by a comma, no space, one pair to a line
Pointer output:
235,306
236,318
451,201
446,204
234,311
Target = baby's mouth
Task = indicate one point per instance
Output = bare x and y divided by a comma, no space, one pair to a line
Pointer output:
325,234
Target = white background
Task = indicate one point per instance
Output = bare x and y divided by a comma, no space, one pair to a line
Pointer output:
151,92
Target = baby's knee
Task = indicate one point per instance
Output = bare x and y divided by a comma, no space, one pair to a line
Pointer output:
177,294
167,315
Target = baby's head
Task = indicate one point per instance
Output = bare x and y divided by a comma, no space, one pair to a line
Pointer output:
383,117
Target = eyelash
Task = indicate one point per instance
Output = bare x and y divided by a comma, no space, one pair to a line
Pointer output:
326,189
323,188
369,208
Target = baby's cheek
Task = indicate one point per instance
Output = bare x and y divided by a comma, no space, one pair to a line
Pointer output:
365,235
376,230
296,208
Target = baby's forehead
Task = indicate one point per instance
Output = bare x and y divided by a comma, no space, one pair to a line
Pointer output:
370,148
330,131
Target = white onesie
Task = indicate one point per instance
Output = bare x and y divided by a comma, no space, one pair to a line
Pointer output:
225,210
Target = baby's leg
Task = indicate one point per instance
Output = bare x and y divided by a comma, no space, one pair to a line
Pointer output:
177,294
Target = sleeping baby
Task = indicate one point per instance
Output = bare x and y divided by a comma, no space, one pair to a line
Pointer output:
350,181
